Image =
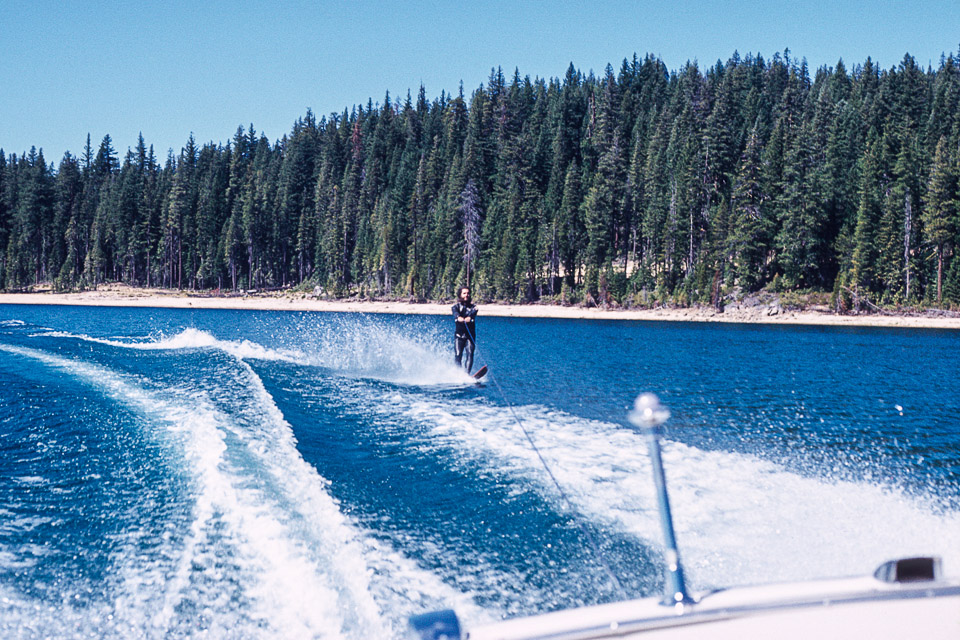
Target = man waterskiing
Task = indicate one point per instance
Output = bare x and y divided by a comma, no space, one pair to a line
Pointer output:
464,340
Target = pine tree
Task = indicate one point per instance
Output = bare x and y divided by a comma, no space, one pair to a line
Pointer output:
27,245
5,213
802,223
939,210
129,187
749,237
863,274
296,191
603,208
896,237
944,115
571,230
213,175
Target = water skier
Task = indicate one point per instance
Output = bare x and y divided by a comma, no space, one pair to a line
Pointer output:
464,340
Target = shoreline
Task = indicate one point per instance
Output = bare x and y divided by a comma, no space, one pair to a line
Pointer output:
120,296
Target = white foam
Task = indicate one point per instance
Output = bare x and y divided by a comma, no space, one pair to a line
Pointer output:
22,524
395,352
410,590
740,520
316,514
362,350
297,573
12,561
187,339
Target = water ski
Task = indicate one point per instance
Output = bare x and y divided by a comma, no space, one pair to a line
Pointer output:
480,373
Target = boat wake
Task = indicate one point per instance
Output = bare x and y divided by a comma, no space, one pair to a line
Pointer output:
260,543
740,519
263,551
357,350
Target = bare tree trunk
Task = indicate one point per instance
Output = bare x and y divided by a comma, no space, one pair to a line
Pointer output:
179,264
907,228
939,275
717,298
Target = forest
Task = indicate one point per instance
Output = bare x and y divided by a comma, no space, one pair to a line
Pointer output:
638,187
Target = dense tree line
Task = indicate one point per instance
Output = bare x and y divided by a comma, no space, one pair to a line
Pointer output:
636,186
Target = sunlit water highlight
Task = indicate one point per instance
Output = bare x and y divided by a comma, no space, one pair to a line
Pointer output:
247,474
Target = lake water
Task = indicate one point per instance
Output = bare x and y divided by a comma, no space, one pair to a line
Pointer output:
237,474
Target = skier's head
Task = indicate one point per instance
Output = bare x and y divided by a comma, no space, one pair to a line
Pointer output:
464,295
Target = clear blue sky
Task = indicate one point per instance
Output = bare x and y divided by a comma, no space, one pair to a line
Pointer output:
171,68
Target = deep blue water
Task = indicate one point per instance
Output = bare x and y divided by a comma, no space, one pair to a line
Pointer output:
176,473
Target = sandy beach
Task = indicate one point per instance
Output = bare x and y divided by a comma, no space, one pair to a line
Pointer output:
122,296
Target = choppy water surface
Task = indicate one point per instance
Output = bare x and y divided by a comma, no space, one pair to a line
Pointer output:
174,473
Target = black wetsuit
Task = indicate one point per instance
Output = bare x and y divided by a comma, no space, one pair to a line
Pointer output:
464,340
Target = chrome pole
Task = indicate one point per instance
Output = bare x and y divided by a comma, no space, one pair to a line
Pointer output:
649,415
